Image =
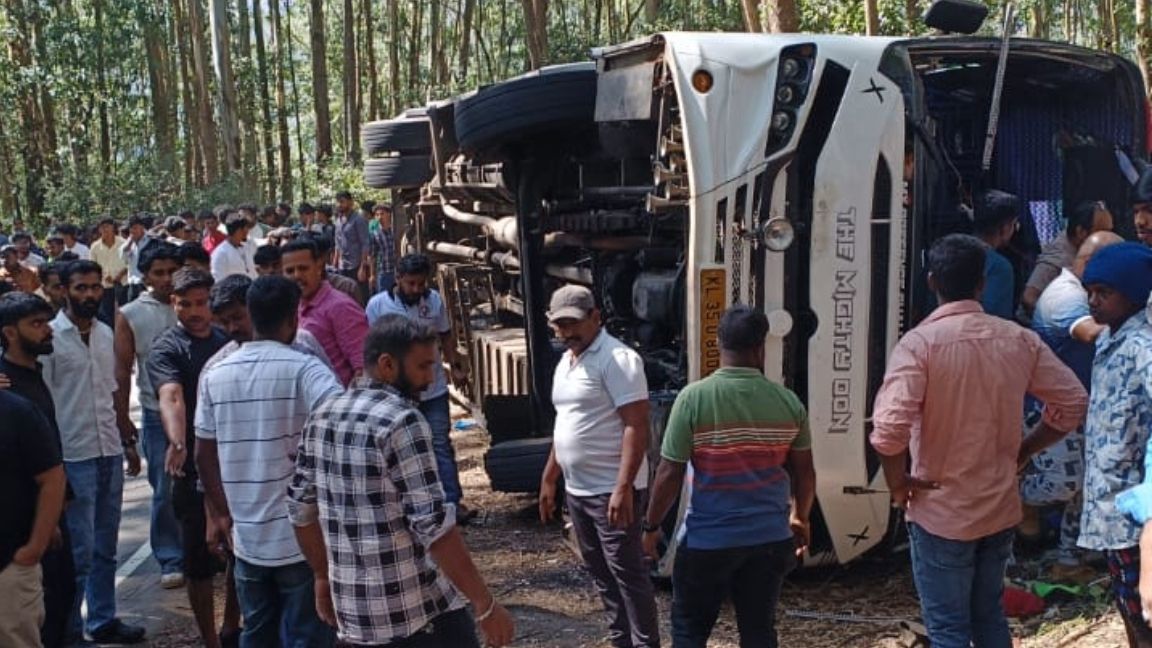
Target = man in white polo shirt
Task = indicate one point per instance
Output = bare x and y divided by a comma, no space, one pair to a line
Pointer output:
599,444
251,410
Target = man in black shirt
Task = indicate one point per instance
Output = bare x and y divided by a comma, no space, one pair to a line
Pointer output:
26,335
174,365
32,480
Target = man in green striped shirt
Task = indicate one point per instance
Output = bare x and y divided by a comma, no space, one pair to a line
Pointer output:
753,484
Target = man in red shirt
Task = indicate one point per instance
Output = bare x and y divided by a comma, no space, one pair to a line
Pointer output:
209,224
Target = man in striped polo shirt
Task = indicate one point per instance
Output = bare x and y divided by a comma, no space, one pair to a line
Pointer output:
251,411
753,484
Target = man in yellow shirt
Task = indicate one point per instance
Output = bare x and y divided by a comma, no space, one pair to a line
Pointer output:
106,252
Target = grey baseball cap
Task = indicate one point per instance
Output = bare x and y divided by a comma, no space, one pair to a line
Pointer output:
571,302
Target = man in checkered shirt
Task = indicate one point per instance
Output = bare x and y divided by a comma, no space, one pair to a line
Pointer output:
390,565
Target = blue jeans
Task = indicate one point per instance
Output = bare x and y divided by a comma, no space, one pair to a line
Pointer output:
279,607
94,522
961,585
439,418
165,531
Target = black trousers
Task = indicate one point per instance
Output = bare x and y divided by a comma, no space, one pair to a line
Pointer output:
750,576
454,629
59,592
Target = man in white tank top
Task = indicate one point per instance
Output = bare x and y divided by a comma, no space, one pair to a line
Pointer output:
138,324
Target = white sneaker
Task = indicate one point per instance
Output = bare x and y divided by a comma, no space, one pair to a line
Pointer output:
172,581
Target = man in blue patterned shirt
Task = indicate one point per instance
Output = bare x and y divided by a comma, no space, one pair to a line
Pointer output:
1119,281
390,563
383,249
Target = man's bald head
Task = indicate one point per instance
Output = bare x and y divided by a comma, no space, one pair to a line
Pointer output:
1091,245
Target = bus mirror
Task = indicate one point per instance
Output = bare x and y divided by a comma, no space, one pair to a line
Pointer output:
777,234
956,16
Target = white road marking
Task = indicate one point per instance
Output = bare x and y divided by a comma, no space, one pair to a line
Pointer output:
130,565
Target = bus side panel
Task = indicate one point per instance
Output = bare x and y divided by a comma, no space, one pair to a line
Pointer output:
868,132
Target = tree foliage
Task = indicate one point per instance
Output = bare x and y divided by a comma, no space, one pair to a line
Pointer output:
124,105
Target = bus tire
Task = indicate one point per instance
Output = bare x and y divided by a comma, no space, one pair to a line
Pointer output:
398,172
396,136
517,466
540,101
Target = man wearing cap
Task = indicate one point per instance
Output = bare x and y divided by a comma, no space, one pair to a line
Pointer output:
106,251
599,445
1116,434
236,255
15,273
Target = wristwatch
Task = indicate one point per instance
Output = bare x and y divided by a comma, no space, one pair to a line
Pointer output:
650,528
178,446
128,443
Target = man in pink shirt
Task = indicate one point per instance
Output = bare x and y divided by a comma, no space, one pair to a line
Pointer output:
953,401
335,319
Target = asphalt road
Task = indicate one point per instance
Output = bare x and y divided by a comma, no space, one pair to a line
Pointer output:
139,598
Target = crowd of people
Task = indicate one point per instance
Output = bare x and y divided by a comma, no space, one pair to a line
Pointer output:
295,427
242,328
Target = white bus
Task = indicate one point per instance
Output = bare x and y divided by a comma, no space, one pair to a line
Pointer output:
804,174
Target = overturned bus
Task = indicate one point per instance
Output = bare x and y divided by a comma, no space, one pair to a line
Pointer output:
682,173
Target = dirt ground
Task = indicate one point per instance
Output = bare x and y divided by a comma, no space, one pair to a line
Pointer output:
553,600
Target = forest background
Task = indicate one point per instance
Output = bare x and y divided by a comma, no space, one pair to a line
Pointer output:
118,106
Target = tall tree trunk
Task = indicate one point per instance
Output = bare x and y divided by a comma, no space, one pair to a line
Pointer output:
871,18
394,32
1143,42
225,85
163,107
375,102
1040,21
435,42
466,39
912,15
282,106
47,106
536,26
193,143
1104,37
320,83
1114,22
266,126
201,78
77,115
783,16
751,9
652,10
296,100
414,47
32,149
102,90
351,84
247,98
9,194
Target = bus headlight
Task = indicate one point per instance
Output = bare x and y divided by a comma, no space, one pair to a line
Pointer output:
778,234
